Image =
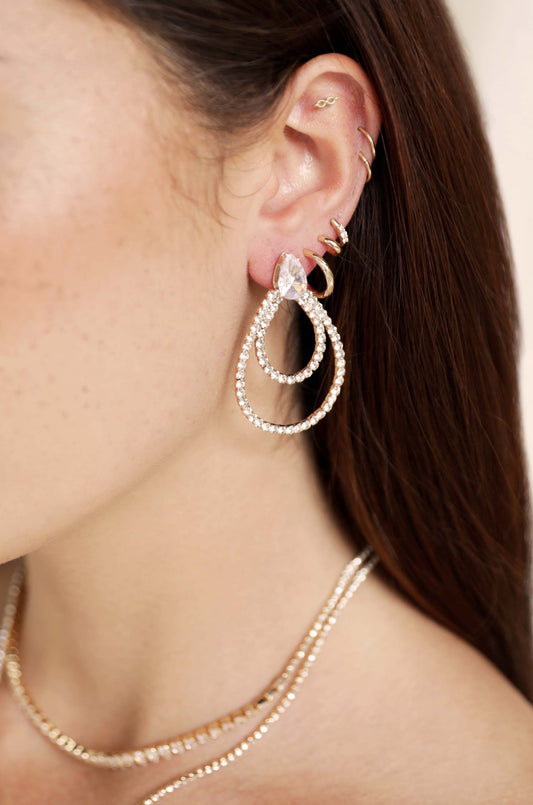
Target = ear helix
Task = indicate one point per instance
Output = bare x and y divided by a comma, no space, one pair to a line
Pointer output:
329,101
290,282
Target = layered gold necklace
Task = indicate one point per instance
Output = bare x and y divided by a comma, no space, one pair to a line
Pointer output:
275,698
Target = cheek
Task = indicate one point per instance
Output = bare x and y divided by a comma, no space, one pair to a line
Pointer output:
97,377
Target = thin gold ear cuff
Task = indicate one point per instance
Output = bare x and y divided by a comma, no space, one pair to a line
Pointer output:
362,156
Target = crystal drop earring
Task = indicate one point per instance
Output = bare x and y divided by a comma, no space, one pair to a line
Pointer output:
290,282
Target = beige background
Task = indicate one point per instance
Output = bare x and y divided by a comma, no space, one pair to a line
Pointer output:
498,39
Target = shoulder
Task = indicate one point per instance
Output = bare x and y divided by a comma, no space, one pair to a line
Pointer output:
407,712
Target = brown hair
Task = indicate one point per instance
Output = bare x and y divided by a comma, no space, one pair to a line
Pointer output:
422,454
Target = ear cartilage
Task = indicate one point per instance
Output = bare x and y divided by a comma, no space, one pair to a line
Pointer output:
329,101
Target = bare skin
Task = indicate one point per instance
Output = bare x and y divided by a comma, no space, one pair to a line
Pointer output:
396,710
175,555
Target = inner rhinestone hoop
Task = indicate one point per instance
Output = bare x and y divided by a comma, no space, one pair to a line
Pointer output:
256,335
318,353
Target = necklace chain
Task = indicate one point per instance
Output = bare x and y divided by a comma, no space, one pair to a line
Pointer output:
287,683
274,714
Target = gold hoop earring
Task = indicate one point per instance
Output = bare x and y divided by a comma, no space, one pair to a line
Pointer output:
370,140
326,271
290,282
362,157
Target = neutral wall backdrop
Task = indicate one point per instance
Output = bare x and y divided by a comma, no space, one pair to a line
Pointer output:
498,39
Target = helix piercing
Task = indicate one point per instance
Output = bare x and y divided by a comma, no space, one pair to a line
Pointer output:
362,157
329,101
369,138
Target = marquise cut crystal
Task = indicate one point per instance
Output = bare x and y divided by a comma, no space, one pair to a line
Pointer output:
291,279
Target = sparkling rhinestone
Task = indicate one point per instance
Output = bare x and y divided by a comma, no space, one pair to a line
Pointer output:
290,275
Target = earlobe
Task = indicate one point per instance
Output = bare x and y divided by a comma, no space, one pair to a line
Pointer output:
322,152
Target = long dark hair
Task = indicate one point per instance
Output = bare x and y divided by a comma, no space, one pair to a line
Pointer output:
422,454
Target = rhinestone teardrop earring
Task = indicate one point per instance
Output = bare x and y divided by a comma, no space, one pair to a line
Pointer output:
290,282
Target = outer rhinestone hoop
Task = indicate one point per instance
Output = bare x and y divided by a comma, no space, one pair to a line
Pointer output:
290,282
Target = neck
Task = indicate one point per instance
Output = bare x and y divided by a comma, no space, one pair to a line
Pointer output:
181,600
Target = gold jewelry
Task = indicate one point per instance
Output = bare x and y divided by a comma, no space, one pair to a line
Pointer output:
367,166
310,648
329,101
326,270
362,156
353,574
334,247
290,282
131,757
370,140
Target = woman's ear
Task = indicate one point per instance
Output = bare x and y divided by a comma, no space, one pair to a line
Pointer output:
315,169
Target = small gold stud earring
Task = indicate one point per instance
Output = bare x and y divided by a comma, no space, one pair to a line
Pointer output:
329,101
